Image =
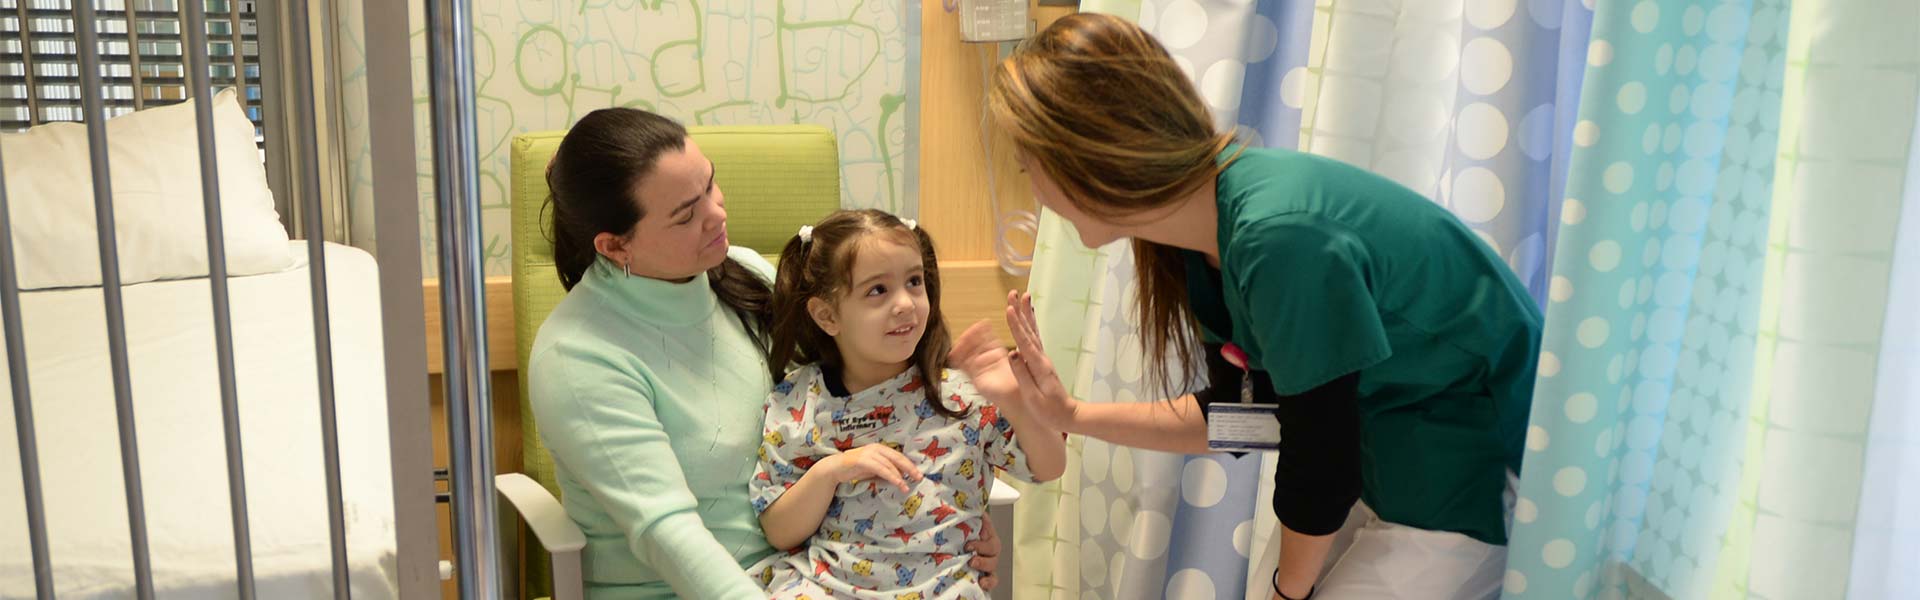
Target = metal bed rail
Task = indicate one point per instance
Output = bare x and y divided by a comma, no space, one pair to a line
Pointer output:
450,54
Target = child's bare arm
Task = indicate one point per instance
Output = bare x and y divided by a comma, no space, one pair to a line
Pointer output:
985,361
1045,447
793,518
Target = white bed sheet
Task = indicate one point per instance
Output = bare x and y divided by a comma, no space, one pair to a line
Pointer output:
182,453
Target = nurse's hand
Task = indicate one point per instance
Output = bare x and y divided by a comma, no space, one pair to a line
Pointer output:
1040,385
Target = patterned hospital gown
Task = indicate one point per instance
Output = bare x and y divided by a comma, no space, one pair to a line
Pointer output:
875,541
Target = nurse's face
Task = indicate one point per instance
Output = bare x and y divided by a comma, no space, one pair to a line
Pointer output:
1093,231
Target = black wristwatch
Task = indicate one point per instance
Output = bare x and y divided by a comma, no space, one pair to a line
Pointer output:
1283,595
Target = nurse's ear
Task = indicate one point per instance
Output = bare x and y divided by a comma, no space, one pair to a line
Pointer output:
824,315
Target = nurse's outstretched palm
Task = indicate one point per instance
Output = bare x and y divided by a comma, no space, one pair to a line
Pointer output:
1040,386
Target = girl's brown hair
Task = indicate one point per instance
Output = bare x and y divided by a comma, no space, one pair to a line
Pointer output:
1102,109
823,268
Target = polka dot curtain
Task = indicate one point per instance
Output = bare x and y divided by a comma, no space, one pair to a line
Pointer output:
1125,523
1706,196
1470,103
1721,317
1634,452
1258,65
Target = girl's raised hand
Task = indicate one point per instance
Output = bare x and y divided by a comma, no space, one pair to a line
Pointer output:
984,359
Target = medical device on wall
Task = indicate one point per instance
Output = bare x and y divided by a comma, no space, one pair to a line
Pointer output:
996,25
993,20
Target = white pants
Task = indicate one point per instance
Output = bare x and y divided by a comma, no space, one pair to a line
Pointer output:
1373,559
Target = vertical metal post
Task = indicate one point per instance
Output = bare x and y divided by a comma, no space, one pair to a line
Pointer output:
283,168
284,149
396,227
334,180
234,31
456,179
23,404
26,62
195,61
132,13
309,169
95,114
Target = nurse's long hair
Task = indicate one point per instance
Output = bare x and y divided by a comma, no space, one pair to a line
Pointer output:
821,266
1101,108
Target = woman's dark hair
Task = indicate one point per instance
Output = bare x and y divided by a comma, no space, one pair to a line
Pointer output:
823,268
592,177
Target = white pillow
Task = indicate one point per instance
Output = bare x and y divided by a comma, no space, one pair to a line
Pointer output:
159,218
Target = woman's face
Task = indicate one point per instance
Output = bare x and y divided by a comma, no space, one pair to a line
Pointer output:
1093,231
683,228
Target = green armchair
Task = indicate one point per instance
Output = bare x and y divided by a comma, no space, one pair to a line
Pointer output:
776,178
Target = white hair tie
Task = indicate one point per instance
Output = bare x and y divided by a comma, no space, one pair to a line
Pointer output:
910,223
806,234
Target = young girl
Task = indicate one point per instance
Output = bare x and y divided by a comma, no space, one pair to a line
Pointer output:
876,460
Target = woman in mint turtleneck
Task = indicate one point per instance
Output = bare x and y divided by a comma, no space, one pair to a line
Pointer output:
649,380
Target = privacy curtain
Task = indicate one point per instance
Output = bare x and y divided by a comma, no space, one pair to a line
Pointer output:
1706,197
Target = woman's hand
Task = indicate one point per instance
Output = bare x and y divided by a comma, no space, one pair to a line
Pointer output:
984,359
986,554
1039,385
872,461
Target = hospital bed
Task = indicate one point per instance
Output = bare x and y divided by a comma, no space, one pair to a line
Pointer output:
174,375
170,353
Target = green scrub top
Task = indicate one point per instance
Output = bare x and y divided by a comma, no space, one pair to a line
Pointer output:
1327,269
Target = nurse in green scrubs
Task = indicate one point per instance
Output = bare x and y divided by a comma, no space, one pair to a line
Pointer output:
1394,347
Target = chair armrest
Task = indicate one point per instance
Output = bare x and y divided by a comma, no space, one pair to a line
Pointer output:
542,513
549,522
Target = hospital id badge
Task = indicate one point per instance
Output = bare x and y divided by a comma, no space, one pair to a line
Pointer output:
1242,428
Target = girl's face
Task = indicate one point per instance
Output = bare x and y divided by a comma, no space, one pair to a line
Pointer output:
879,320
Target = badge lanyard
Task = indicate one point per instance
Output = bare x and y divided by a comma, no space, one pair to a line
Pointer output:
1237,357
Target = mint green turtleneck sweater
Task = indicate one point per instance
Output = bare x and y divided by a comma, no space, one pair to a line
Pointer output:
650,396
